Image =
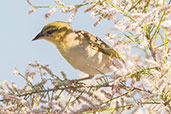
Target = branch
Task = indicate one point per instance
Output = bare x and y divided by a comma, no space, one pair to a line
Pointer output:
61,6
65,88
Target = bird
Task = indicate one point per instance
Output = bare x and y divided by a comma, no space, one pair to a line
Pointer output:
82,50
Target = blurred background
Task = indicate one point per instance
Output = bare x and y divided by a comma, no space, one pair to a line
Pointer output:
17,30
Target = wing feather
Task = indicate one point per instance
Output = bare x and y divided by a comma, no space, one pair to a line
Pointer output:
97,44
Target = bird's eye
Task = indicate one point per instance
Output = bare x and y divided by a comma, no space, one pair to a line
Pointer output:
51,31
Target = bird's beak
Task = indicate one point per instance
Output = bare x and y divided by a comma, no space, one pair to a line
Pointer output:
39,36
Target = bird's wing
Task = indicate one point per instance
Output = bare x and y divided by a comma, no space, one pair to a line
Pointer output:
97,44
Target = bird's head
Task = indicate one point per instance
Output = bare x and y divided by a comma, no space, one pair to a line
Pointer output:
54,32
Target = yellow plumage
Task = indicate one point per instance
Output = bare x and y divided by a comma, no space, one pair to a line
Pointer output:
81,49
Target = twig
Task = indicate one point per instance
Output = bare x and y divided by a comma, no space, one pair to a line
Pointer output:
79,5
153,50
65,88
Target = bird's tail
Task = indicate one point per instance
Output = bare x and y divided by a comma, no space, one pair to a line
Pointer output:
119,67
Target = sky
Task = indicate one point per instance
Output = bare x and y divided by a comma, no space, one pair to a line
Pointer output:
17,30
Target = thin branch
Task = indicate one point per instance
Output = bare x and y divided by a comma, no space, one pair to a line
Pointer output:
64,6
65,88
121,10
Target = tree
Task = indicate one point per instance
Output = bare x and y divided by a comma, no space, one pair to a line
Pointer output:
145,26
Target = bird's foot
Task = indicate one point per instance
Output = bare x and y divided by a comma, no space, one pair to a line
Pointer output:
81,79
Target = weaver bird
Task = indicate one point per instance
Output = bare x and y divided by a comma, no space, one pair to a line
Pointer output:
81,49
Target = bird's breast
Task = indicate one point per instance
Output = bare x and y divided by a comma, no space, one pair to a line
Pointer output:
86,59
